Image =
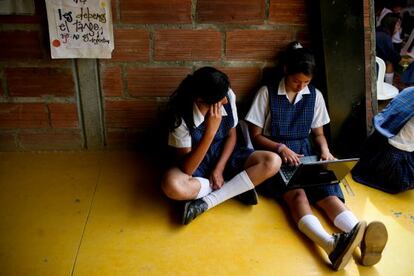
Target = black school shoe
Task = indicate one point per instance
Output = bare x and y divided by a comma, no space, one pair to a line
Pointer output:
345,244
248,198
192,209
373,243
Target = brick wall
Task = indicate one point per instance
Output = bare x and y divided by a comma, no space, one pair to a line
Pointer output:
157,43
38,103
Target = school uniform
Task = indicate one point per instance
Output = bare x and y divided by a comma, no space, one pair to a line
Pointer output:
291,124
387,161
185,137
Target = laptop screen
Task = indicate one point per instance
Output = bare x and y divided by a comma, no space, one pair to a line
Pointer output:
321,173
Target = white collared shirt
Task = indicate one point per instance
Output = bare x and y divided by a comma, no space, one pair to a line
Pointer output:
404,140
260,115
181,137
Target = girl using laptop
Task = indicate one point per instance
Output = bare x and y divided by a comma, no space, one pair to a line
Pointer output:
283,114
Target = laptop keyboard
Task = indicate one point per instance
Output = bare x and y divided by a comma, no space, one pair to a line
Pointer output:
309,159
288,171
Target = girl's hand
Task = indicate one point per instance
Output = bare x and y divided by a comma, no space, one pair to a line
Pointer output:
327,156
290,157
213,117
216,178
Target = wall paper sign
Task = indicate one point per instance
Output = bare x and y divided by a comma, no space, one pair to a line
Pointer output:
80,28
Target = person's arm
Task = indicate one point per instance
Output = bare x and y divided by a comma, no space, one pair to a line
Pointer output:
320,140
392,55
262,142
191,158
217,174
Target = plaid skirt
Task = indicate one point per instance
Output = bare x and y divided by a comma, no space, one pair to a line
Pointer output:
275,188
384,167
234,165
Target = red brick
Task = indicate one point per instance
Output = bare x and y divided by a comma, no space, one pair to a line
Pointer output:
256,44
30,115
20,45
155,12
191,45
130,114
63,115
155,81
123,139
19,19
243,81
112,82
114,10
237,11
131,45
51,140
288,12
7,141
36,82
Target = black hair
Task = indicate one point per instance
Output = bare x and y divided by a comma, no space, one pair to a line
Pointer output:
389,21
395,3
207,84
297,59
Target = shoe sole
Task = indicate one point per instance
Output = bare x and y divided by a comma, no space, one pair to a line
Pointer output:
253,202
347,254
185,221
373,243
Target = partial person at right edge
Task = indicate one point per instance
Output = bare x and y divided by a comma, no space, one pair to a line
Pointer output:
387,160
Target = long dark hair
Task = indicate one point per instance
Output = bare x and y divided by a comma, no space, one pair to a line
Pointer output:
207,84
389,21
297,59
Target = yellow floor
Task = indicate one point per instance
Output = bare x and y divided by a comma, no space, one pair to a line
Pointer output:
101,213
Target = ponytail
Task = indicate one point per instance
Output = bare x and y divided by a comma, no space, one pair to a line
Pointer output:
297,59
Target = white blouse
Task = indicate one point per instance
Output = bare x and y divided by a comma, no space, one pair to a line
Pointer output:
260,115
181,137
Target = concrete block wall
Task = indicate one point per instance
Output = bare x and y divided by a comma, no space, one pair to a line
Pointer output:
157,43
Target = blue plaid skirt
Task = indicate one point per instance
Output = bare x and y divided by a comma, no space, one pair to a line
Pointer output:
234,165
384,167
275,188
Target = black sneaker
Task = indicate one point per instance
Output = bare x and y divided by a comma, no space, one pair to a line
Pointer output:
345,244
248,198
373,243
192,209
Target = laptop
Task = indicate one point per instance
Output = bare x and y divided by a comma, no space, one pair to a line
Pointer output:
312,172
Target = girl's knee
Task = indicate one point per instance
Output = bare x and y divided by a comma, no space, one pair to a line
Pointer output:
177,189
270,162
296,197
330,201
171,188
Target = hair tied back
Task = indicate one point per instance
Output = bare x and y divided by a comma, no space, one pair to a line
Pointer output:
297,45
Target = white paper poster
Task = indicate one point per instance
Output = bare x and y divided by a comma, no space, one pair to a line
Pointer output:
80,28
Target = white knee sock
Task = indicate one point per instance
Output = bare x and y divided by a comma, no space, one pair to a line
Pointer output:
389,77
345,221
313,229
235,186
205,187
